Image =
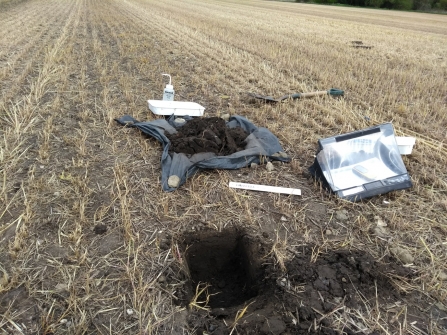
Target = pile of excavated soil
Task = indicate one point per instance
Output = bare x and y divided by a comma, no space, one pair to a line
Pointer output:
207,135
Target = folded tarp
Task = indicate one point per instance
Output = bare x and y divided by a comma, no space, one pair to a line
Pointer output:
261,147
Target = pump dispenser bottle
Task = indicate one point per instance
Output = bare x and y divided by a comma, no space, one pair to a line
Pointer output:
168,92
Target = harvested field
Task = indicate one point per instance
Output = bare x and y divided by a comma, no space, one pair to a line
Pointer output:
89,242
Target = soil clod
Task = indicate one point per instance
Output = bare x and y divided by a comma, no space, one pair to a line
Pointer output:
100,229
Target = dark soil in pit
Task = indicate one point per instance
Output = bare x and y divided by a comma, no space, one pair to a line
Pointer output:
207,135
308,298
227,263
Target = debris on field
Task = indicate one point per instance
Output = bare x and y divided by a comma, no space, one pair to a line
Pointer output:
283,282
442,275
362,46
226,117
402,254
61,287
380,222
281,154
254,165
381,231
67,177
361,164
265,188
223,145
267,98
359,44
179,120
269,167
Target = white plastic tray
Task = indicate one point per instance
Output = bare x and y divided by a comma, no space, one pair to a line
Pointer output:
162,107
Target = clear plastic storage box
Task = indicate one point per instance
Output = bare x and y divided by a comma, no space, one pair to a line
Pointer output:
363,163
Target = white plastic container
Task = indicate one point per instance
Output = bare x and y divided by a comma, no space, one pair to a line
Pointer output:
405,144
162,107
168,92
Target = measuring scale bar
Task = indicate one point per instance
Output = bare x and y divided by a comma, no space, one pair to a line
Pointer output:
265,188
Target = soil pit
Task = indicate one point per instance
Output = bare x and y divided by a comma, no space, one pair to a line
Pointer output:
207,135
309,297
226,262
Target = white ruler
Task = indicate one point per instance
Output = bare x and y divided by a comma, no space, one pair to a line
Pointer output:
265,188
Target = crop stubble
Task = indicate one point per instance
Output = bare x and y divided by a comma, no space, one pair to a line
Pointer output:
66,167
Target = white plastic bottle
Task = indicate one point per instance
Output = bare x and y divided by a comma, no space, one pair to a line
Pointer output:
168,92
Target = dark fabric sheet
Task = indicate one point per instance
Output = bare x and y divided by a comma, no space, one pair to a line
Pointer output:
261,144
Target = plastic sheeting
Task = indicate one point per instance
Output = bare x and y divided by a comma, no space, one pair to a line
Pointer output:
261,144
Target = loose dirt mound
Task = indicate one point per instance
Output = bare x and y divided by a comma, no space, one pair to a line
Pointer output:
208,135
306,298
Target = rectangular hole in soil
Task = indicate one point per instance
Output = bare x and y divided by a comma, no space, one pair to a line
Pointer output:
227,262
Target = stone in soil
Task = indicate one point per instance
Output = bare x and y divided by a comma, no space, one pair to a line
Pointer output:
174,181
402,254
341,215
